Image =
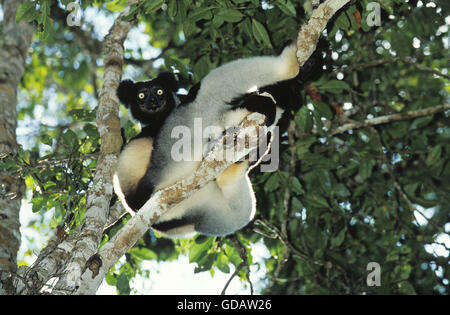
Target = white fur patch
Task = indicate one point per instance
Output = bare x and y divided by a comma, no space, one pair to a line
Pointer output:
234,118
133,163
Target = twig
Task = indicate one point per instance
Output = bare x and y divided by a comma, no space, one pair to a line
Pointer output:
388,118
287,194
243,255
413,208
386,61
292,163
236,271
283,238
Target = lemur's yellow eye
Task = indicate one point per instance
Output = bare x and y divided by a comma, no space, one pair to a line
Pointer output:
160,92
141,96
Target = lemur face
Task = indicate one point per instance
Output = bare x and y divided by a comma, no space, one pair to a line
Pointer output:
149,100
151,97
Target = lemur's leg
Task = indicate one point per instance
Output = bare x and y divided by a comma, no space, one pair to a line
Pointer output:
248,74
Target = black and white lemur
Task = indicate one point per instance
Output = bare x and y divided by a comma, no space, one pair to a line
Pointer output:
222,99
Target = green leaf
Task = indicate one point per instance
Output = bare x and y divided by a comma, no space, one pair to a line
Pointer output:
406,288
47,27
91,131
201,67
246,26
272,183
342,21
223,263
26,11
39,202
297,186
233,255
111,279
323,110
317,201
229,15
123,285
197,251
341,191
325,180
189,28
334,86
434,155
365,168
172,8
287,7
181,11
297,204
70,138
152,6
319,123
421,122
143,253
304,120
260,33
410,189
337,240
387,5
200,14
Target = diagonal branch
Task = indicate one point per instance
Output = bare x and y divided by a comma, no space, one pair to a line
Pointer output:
161,201
386,61
389,118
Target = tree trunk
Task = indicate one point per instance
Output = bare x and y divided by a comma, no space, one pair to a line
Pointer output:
14,44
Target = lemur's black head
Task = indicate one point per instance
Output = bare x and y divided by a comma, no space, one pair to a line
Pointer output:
148,100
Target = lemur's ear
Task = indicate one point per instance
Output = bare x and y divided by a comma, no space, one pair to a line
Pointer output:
168,80
126,92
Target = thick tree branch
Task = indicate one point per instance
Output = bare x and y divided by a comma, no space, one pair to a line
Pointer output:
67,258
108,124
211,167
308,35
389,118
14,44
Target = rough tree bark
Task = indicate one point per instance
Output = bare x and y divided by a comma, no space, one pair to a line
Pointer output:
15,41
67,258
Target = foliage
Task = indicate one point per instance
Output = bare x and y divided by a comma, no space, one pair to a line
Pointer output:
353,198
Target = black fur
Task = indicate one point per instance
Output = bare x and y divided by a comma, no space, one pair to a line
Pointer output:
143,193
192,94
153,107
172,224
257,103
